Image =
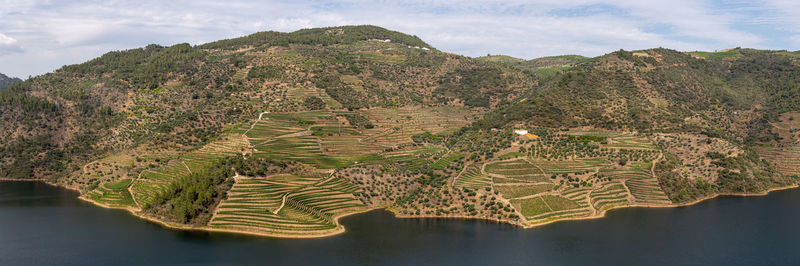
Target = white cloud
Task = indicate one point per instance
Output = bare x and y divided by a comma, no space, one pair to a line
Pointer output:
9,45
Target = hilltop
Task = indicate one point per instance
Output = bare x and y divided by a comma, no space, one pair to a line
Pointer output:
539,66
6,81
282,133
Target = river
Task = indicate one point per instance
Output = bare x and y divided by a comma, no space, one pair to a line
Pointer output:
42,224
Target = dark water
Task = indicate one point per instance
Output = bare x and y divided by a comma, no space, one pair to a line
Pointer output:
40,224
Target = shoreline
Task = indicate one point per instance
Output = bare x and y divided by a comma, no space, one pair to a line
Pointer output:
458,217
174,226
23,179
340,229
674,205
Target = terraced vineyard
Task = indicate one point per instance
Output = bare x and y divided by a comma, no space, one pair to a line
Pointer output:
321,139
612,169
472,177
425,132
516,171
113,194
549,207
541,189
784,155
347,146
512,191
412,157
286,205
150,182
618,140
396,125
267,129
642,184
289,136
304,149
575,166
300,93
630,142
785,159
446,160
578,194
609,195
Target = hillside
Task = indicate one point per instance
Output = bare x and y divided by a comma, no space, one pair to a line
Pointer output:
736,99
173,99
6,81
654,89
544,66
504,59
282,133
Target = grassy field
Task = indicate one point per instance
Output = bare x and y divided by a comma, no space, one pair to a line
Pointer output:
537,208
531,206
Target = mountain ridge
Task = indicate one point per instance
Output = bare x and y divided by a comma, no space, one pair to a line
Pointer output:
6,81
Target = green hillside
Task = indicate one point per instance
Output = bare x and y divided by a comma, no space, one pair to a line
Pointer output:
282,133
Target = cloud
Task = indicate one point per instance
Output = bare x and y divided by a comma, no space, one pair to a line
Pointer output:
55,33
9,45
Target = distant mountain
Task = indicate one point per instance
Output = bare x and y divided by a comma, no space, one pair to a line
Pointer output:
543,65
657,89
6,81
500,59
282,133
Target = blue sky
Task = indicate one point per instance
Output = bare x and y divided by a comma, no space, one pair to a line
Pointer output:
37,37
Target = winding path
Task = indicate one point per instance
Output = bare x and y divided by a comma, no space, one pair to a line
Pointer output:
130,189
187,167
244,135
283,202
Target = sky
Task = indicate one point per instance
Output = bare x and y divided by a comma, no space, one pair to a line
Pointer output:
37,37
